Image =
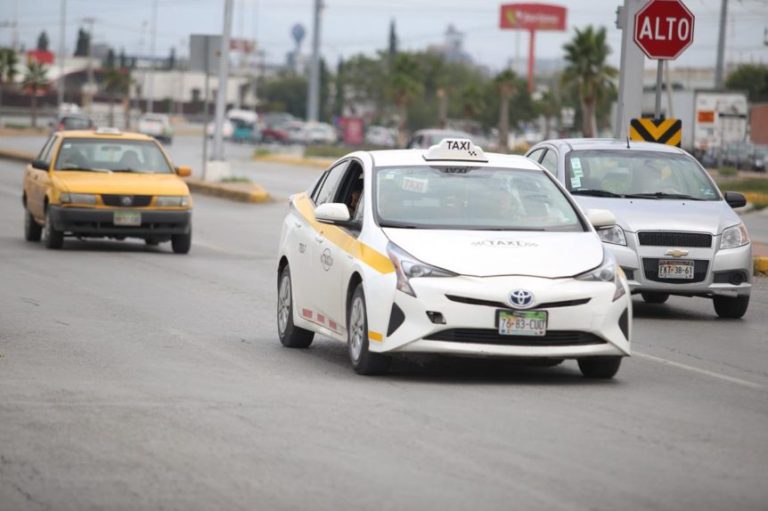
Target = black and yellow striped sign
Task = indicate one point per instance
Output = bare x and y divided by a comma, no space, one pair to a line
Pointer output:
662,131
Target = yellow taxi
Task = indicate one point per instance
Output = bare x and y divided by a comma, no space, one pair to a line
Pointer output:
107,184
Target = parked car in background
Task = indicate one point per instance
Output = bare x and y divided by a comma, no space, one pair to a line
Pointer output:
320,133
424,139
229,125
274,127
676,233
73,121
381,136
157,126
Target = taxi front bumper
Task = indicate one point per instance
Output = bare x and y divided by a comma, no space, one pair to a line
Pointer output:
583,319
100,222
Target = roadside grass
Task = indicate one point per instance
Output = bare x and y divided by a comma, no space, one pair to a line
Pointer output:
333,151
236,179
754,190
261,151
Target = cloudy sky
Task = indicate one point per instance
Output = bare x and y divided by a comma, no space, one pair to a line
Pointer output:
361,26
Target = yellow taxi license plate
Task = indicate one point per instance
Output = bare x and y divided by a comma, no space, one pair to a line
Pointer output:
531,323
129,218
675,269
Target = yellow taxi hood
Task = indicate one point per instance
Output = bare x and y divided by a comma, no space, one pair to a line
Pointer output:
128,183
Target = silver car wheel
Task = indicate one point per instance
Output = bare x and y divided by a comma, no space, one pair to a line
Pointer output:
284,303
357,328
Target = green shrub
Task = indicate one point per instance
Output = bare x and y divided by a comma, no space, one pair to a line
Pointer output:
727,171
261,151
236,179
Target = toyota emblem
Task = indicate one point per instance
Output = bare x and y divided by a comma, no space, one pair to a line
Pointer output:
521,298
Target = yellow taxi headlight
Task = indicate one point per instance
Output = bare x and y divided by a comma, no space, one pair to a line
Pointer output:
77,198
172,201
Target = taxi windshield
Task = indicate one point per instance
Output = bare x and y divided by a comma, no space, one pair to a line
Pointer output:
109,154
637,174
471,198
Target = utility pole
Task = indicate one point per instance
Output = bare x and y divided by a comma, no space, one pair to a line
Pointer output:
721,45
91,86
313,102
153,37
630,101
221,96
62,51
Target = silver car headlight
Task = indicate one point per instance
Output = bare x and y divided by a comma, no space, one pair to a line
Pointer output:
77,198
408,267
172,201
613,235
735,236
608,271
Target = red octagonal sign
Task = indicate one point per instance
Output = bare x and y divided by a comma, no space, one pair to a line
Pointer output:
663,29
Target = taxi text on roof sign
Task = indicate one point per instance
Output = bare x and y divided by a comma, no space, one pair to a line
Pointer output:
455,149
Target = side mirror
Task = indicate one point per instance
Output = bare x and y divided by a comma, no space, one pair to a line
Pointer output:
332,213
40,164
601,218
184,171
735,199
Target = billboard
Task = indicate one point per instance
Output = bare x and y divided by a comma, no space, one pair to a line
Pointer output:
533,17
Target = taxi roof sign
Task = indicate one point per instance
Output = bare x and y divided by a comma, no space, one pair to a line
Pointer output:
455,149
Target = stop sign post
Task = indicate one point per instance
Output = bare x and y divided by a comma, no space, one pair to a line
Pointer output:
663,30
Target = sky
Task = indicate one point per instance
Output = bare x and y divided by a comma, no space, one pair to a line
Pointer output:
350,27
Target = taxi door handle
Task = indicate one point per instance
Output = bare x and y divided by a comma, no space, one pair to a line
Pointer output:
297,225
319,239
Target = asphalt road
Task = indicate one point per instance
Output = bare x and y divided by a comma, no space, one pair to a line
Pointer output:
132,378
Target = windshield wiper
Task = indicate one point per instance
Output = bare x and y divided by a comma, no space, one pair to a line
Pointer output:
133,170
398,226
85,169
662,195
596,193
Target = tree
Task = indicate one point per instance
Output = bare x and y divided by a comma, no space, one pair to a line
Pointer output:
285,92
122,59
109,60
42,41
172,58
752,78
506,83
83,43
8,71
116,83
33,83
548,106
340,90
392,48
404,88
589,73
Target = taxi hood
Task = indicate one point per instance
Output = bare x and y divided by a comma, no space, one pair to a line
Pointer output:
635,215
120,183
492,253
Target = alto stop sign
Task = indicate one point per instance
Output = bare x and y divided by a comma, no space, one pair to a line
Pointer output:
663,29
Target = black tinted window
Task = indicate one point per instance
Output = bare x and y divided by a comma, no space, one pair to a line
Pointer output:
327,192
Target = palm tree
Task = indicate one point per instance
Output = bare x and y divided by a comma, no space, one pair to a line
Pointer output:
34,81
506,83
548,106
587,70
116,83
8,62
404,88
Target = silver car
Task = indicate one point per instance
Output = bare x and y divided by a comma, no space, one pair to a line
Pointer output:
676,233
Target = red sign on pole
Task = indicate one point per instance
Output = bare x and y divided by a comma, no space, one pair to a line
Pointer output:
533,17
664,29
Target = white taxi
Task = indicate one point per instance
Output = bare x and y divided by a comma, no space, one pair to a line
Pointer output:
450,250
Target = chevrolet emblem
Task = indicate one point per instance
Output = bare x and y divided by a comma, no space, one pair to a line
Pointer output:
677,252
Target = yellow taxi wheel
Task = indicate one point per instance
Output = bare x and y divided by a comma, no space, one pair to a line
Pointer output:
32,230
51,237
181,243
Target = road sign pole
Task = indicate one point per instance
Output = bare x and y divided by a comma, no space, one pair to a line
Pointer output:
206,116
659,82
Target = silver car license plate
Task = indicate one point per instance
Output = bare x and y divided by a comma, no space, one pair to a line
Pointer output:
676,269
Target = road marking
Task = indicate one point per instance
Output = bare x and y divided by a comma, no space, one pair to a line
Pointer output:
219,248
731,379
10,190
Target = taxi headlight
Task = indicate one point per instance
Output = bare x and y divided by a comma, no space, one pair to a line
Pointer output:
77,198
172,201
608,271
614,235
735,236
408,267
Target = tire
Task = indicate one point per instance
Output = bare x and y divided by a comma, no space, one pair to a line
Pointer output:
731,307
600,368
51,237
363,360
32,230
655,297
290,335
181,243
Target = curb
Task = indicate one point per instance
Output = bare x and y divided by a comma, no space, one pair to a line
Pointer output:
241,192
285,159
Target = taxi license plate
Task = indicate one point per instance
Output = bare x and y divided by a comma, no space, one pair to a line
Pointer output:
531,323
129,218
675,269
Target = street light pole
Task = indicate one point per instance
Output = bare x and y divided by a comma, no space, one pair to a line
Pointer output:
62,50
221,96
313,102
151,82
91,85
721,46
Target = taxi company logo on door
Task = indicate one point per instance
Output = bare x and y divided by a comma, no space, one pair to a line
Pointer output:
504,243
326,259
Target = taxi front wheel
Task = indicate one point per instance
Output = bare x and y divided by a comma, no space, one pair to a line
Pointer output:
51,237
32,230
181,243
291,336
363,360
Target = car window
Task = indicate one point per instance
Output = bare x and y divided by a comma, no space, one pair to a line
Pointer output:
549,161
472,198
141,156
45,152
351,189
317,186
624,172
328,189
535,155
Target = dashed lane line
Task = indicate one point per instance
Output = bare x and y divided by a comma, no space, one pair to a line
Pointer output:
705,372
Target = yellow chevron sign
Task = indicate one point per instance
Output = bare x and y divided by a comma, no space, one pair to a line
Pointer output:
662,131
